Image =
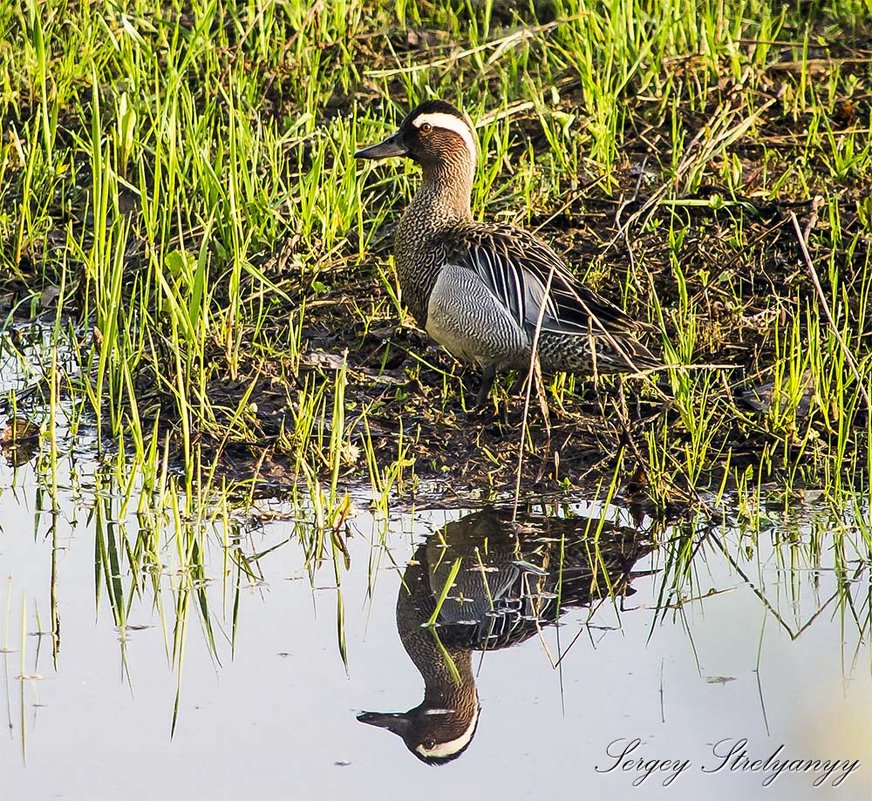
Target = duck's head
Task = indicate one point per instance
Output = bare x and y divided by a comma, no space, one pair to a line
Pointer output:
432,734
435,134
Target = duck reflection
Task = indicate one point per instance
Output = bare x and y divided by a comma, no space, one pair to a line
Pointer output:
483,583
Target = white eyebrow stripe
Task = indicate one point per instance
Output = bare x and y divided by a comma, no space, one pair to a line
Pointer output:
452,747
439,119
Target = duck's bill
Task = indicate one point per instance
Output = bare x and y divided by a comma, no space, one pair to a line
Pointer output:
392,146
396,722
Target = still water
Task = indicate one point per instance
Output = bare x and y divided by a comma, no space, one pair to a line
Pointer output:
252,658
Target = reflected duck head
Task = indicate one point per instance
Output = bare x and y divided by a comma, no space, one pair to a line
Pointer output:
434,735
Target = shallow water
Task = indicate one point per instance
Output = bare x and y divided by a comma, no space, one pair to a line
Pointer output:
764,647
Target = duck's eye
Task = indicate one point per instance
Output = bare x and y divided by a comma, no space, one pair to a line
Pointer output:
425,127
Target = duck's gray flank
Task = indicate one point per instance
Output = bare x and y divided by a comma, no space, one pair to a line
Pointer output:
479,288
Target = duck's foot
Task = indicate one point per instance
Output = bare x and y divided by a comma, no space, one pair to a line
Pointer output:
490,420
488,375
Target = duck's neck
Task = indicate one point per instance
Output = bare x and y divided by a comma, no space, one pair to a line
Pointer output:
447,672
442,201
446,668
443,198
446,189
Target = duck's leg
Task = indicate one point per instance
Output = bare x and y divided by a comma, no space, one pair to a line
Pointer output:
488,375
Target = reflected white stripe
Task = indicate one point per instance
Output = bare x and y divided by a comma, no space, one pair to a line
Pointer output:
452,746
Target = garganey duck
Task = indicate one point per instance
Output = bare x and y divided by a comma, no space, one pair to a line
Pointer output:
479,288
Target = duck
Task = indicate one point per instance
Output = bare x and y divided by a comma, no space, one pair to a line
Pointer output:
509,578
481,289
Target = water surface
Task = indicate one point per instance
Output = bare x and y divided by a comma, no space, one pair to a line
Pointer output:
232,656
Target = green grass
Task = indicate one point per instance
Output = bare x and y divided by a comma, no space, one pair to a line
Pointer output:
186,179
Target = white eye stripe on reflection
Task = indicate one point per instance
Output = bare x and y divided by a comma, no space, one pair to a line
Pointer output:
449,122
450,748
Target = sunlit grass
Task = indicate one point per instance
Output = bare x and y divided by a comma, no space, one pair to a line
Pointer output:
188,177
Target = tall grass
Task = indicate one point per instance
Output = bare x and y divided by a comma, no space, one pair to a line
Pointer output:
187,178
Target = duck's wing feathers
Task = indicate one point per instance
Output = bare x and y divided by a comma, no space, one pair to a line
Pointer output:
516,267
